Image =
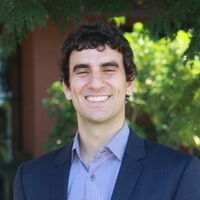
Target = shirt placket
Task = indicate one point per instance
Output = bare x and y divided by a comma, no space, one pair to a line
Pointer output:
92,190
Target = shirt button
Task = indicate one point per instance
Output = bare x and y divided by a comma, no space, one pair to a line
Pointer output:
92,177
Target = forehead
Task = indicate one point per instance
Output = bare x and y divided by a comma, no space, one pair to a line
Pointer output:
95,56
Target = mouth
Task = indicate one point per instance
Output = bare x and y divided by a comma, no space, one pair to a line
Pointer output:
97,98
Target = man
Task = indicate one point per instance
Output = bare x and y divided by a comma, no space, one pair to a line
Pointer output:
106,159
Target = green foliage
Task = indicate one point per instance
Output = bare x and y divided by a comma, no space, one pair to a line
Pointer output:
63,10
167,86
108,8
118,20
64,114
19,16
176,15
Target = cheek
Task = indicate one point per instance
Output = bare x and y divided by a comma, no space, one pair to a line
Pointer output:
78,82
76,89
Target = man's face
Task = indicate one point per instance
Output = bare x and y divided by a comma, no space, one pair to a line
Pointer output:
98,85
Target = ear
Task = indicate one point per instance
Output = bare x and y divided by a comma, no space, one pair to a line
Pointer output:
66,91
129,88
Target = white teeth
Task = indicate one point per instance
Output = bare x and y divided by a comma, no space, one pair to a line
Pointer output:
97,99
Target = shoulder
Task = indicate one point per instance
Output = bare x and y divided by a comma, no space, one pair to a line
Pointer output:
33,176
154,152
167,156
47,161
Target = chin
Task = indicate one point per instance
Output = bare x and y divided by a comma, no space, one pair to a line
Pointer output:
99,119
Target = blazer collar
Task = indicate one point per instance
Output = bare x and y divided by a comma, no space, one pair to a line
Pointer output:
59,176
130,169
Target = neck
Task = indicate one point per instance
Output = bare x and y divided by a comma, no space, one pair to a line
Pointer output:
94,136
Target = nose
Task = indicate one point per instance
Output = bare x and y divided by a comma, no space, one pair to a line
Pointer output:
96,81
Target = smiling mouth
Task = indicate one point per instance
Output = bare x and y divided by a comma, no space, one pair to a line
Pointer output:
97,98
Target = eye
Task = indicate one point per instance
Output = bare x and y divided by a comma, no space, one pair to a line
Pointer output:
82,72
109,70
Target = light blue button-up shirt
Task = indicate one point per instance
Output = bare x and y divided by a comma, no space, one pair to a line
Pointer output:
96,181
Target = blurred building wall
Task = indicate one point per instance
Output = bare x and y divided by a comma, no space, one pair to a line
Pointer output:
40,54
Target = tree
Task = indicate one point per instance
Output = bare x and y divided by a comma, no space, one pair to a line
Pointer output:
63,113
19,16
167,87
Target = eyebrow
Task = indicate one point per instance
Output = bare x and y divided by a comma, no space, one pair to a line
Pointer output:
111,63
86,66
80,66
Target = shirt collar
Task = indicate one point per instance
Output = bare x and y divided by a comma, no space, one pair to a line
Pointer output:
76,146
116,145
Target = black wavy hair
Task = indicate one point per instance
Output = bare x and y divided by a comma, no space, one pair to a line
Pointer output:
92,36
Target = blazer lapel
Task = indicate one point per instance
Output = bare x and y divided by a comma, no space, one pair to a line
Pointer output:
58,184
131,169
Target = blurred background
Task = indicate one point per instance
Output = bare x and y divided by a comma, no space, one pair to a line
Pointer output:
34,115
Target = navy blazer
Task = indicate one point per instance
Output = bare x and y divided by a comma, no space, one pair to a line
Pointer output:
149,171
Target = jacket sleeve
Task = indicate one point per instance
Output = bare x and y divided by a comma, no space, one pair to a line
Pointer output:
188,188
18,192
